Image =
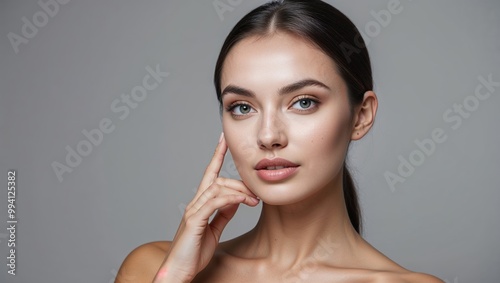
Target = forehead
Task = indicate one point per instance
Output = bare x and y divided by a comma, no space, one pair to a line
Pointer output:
278,58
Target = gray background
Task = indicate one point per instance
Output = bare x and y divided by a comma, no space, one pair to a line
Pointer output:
132,187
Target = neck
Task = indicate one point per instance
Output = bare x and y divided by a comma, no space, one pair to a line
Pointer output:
316,229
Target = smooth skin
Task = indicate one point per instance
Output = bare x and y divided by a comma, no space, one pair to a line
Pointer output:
304,233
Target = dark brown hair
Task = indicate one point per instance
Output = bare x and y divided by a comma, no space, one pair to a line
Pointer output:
330,30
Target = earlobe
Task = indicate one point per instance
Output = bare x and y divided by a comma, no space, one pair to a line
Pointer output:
364,115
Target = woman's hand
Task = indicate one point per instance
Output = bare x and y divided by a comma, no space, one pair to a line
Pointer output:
196,239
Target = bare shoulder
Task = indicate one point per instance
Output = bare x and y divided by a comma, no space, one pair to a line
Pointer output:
388,271
142,263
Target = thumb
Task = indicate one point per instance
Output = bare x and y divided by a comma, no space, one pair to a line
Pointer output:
221,218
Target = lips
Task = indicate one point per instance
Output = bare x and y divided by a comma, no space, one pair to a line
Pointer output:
274,164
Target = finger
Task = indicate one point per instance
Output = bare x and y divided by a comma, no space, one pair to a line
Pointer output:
218,191
212,171
223,216
204,213
232,184
213,168
199,219
236,185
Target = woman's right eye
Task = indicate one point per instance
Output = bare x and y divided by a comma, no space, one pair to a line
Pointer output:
239,109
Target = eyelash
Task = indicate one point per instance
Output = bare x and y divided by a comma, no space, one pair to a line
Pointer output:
231,107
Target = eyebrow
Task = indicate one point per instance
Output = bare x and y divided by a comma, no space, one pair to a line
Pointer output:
282,91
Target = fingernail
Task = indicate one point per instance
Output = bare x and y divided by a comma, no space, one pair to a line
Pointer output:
221,136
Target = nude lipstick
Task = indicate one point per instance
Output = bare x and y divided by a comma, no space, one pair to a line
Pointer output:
277,169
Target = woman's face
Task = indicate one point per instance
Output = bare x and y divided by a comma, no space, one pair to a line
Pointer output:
287,101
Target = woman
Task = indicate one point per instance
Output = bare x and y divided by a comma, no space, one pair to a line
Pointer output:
295,87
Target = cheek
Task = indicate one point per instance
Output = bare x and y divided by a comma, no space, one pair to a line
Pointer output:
238,139
244,157
327,141
329,134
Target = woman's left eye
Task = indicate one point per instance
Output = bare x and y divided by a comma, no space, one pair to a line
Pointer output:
305,103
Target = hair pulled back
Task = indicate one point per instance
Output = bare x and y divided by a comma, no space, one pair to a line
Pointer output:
330,30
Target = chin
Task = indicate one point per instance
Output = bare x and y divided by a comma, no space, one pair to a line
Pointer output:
279,201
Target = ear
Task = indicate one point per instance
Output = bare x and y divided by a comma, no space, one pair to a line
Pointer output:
364,115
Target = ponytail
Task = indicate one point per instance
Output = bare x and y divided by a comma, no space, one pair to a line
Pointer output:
351,200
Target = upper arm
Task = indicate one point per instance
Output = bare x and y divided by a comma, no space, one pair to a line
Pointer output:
142,264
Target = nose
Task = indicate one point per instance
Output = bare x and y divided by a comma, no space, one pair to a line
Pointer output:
272,133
